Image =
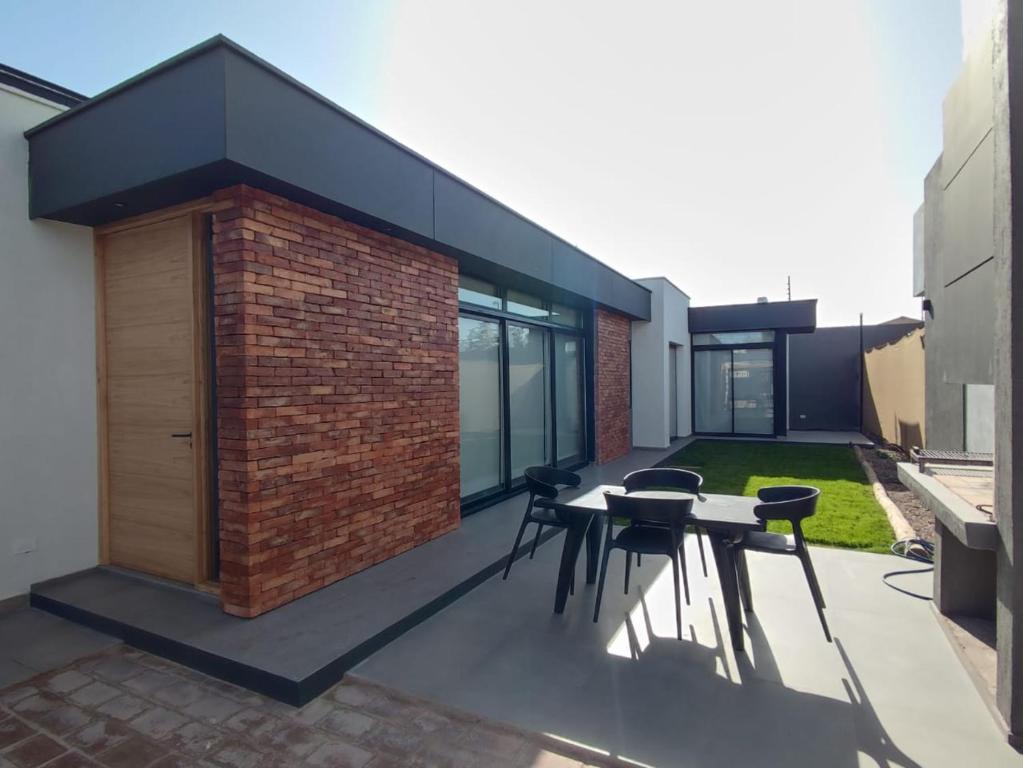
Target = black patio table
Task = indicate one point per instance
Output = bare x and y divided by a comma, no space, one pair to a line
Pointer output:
724,518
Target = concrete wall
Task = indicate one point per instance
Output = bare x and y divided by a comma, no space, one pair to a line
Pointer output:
824,374
957,230
893,391
651,375
47,375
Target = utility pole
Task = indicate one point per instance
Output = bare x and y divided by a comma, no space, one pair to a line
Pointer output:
789,281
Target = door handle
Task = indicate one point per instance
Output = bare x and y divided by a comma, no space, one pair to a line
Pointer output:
182,434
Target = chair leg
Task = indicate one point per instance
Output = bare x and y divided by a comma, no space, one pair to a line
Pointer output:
815,585
745,593
681,551
536,540
571,584
515,546
703,557
639,560
818,599
600,583
678,599
628,569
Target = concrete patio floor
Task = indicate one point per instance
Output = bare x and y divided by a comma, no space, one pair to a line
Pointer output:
889,692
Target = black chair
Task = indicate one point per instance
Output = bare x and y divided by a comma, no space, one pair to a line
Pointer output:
543,482
675,479
793,503
656,528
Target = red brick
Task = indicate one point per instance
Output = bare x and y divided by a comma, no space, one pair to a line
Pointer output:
613,382
337,373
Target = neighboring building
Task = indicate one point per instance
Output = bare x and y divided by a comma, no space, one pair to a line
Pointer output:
47,364
661,368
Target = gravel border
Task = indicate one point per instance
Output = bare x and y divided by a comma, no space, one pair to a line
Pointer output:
882,459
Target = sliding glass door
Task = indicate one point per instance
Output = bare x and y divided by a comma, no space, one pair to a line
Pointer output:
522,401
568,371
753,391
528,397
480,406
733,391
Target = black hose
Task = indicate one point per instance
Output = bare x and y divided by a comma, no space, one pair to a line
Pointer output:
919,550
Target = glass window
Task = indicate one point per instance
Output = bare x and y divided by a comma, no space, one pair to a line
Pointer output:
733,337
526,305
529,397
568,374
563,315
478,292
713,388
753,388
479,369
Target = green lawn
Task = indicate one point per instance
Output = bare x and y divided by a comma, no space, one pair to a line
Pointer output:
848,515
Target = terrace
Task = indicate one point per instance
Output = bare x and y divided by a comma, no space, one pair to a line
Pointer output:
456,637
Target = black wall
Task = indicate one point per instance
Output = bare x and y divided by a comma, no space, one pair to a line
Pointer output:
824,374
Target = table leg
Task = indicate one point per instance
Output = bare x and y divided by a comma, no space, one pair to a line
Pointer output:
574,536
724,557
594,534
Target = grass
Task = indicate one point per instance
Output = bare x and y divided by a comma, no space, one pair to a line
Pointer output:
847,516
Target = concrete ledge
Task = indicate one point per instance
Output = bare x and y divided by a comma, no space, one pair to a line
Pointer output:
971,527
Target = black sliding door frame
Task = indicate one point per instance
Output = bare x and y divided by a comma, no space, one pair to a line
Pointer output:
509,485
730,348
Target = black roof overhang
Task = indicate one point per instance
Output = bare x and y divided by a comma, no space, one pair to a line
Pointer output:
788,316
216,115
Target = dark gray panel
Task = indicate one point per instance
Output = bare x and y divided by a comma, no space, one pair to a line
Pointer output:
466,220
216,115
576,271
969,215
288,133
943,401
824,379
968,109
132,138
793,316
967,328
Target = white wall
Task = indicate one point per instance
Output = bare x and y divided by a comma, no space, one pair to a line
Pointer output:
669,324
47,375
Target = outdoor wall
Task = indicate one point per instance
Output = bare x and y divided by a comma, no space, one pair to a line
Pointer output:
337,393
651,366
612,386
824,374
958,237
48,496
893,391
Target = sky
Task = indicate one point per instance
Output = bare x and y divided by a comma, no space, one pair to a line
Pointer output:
726,146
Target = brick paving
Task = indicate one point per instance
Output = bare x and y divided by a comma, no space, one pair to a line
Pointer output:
127,709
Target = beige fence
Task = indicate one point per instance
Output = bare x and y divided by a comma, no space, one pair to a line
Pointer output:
893,391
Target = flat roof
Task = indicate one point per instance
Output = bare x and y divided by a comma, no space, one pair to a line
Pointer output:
217,115
798,316
36,86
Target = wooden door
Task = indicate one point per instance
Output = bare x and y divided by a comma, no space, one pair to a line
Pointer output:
152,381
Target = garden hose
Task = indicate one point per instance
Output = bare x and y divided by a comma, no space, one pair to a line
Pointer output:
918,550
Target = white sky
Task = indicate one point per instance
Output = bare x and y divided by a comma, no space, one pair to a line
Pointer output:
723,145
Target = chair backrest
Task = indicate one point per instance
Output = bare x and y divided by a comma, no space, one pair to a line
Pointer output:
663,477
787,502
544,481
665,511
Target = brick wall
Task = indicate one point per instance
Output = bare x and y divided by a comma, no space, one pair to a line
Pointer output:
613,414
337,394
